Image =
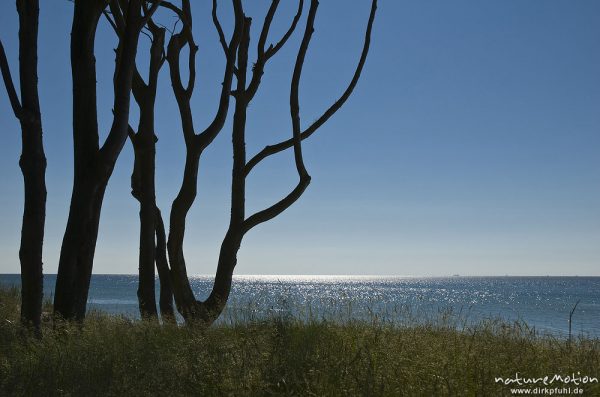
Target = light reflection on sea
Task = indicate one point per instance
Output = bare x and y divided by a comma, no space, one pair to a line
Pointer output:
541,302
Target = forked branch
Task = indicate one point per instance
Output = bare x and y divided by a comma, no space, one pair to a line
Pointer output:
263,55
206,137
195,143
124,72
273,49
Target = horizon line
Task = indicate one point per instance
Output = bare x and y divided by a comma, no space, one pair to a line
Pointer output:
348,275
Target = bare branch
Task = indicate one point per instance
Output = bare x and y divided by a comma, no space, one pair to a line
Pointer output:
264,33
304,178
142,91
122,85
276,209
118,18
8,83
117,22
294,91
273,149
168,5
156,55
138,85
131,134
209,134
152,26
111,21
147,35
176,44
264,55
273,49
191,66
149,12
182,95
217,24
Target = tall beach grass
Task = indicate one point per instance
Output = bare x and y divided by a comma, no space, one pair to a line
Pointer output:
249,355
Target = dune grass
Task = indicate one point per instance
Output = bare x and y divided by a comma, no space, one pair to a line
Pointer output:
115,356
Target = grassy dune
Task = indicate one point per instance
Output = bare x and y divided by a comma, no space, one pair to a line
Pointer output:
114,356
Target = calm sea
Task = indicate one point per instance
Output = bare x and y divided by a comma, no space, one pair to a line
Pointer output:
541,302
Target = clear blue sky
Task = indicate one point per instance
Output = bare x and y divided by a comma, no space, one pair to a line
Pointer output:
471,144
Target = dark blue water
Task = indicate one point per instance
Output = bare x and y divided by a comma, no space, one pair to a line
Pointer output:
540,302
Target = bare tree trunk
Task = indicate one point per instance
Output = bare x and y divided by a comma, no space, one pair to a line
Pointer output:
182,291
32,162
214,305
210,310
142,180
93,165
146,294
162,265
79,242
143,191
33,166
151,226
77,250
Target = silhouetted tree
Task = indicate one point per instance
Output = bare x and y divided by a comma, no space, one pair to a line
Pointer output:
206,312
93,164
142,179
32,162
195,143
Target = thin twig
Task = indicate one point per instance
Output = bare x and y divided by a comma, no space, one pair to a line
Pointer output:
571,319
8,83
